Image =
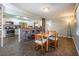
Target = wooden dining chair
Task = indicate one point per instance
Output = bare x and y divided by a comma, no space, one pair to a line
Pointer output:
53,39
40,40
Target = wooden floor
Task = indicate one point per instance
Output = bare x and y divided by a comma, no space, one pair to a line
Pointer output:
25,48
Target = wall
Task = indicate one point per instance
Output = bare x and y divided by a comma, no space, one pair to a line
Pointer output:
59,26
76,30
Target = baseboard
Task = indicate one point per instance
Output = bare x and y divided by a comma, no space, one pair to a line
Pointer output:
75,45
62,36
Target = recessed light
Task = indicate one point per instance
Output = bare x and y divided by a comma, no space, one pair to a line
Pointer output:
24,17
46,9
17,16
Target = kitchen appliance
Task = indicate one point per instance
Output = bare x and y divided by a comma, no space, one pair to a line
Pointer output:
9,29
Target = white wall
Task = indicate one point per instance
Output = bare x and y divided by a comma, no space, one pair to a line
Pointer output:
76,30
77,21
59,26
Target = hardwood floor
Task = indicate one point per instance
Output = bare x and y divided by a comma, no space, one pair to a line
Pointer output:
25,48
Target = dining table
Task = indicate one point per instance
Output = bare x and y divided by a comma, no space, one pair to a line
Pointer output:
47,36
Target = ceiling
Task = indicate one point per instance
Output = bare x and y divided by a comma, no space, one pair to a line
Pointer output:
56,10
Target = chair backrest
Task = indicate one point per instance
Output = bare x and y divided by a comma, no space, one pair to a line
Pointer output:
46,34
39,36
50,33
56,35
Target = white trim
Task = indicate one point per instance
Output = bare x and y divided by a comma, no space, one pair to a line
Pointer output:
62,36
19,39
2,32
75,45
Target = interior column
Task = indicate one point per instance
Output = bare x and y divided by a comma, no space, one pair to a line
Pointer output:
43,24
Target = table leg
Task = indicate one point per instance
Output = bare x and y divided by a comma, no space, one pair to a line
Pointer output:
47,45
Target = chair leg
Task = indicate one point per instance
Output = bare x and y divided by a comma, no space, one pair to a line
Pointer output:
35,45
49,42
42,48
56,44
47,46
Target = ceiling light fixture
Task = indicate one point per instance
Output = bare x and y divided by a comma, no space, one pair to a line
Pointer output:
24,17
46,9
17,16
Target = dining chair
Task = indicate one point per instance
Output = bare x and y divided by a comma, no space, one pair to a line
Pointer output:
40,40
53,39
